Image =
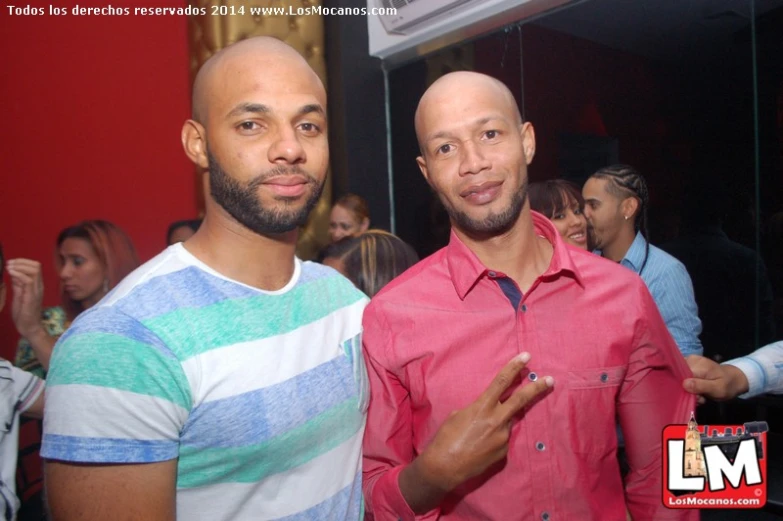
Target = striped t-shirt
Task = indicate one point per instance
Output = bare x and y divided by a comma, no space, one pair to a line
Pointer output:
260,395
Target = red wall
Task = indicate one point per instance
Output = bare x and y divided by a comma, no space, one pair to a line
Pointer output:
91,112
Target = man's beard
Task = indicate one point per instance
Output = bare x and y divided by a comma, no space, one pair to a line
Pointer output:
493,224
242,202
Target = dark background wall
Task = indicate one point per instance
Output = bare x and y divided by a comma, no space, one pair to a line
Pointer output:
686,126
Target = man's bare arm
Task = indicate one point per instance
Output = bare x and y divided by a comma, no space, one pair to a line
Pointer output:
125,492
36,410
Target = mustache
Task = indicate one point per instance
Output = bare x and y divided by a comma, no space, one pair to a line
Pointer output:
280,171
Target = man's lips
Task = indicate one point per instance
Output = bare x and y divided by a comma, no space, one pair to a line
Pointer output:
287,185
481,193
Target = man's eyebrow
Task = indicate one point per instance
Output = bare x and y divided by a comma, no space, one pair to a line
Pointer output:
312,108
592,200
253,108
260,108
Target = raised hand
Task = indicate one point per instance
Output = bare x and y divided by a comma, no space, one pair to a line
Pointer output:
27,284
470,440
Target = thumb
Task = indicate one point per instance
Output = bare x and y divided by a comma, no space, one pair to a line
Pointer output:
701,387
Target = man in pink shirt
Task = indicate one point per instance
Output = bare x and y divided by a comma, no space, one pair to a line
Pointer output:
499,365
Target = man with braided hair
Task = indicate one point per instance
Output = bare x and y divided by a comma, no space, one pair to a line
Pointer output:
616,203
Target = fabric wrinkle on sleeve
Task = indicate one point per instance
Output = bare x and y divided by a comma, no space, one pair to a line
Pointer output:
650,398
388,446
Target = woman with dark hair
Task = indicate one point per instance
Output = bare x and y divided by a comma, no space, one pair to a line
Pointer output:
562,203
180,231
350,216
371,260
91,258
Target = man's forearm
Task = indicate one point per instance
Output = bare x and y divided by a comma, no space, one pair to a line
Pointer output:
43,345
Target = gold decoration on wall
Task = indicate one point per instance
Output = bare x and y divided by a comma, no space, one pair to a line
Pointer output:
209,33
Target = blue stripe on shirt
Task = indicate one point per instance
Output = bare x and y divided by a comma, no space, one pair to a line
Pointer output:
258,416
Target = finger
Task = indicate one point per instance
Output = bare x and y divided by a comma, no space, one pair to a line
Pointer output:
22,261
19,278
699,365
26,268
711,388
517,401
503,379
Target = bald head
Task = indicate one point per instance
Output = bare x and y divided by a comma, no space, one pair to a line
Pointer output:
228,64
456,90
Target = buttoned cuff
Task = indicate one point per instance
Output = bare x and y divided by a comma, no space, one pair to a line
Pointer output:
754,372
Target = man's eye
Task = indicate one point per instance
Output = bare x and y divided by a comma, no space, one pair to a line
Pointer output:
248,125
491,134
310,128
444,149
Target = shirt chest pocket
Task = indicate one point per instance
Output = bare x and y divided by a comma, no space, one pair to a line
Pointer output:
592,395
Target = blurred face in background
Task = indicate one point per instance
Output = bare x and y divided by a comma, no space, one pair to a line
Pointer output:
345,223
82,273
571,223
603,212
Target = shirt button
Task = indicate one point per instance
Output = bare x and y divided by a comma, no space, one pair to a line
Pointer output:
540,446
604,377
524,307
533,377
545,516
492,274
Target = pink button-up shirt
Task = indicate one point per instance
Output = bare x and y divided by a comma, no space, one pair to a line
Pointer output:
434,339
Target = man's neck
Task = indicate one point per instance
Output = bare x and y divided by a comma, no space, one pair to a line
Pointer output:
617,250
264,262
519,253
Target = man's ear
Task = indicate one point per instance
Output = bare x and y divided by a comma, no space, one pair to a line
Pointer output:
365,225
195,143
528,141
423,167
630,207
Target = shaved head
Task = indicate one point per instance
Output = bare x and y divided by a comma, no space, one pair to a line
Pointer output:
474,151
227,63
459,85
259,130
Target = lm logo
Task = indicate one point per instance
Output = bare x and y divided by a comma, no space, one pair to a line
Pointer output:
715,467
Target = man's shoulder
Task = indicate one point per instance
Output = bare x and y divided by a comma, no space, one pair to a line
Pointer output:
597,270
418,280
326,287
164,283
664,259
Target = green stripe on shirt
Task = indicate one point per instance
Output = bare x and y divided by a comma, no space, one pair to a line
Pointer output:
286,313
134,367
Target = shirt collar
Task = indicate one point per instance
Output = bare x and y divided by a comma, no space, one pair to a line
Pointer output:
466,269
635,254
